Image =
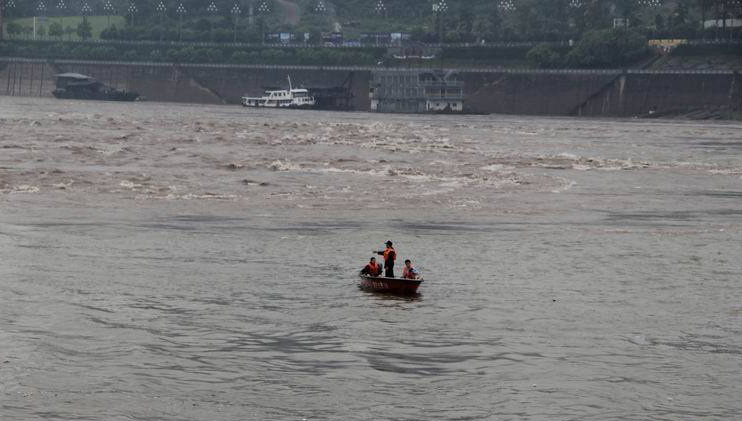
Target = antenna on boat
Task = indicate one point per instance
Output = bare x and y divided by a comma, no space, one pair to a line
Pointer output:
289,77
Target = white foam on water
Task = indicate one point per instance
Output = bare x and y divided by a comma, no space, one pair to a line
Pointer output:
439,162
279,165
24,188
193,196
568,184
129,185
726,171
497,167
569,156
63,185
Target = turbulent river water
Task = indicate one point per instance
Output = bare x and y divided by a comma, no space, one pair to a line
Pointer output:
176,262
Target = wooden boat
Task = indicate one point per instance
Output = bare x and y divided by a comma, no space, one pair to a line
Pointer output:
390,285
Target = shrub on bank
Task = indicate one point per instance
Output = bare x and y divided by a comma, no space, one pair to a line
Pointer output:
608,48
544,56
189,53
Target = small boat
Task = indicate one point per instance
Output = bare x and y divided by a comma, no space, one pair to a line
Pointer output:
77,86
389,285
291,98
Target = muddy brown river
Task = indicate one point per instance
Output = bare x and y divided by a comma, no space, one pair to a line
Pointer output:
183,262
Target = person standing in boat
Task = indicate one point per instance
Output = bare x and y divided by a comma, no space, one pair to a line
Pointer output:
390,255
372,268
410,272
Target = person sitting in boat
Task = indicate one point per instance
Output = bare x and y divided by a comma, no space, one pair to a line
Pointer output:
390,255
410,272
372,268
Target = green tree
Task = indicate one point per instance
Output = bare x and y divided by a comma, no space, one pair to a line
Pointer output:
484,29
84,29
315,37
14,29
680,14
69,31
608,48
56,30
544,56
110,33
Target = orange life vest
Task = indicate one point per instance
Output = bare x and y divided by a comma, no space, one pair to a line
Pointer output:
390,251
373,269
409,273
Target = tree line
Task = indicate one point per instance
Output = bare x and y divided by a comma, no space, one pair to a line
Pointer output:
459,21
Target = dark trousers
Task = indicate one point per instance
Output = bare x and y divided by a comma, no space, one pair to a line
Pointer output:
389,270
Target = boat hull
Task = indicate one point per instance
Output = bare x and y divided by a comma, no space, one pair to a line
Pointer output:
284,107
96,96
396,286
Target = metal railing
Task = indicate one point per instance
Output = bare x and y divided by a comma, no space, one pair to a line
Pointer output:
369,68
498,44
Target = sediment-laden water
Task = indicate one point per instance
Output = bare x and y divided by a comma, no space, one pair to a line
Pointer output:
174,262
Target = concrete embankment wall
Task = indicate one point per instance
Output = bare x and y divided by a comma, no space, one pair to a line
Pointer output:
559,92
531,93
601,93
632,94
179,83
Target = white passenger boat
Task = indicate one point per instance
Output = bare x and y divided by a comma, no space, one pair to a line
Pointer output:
291,98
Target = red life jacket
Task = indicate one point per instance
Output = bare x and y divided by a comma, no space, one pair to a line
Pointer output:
409,273
373,269
390,251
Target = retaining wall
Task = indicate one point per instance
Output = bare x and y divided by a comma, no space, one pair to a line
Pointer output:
535,92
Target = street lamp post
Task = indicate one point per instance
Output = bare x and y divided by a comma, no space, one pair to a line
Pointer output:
213,10
61,9
263,10
180,10
86,10
505,6
133,10
5,6
440,7
508,5
2,9
161,9
236,11
576,5
109,9
320,7
41,9
380,8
